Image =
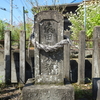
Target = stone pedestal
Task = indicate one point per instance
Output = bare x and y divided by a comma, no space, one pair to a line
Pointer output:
48,92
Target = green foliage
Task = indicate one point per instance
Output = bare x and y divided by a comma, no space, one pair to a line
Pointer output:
15,34
1,81
26,11
2,28
83,91
92,19
28,29
16,31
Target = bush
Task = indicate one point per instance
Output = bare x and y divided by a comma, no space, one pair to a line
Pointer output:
15,34
2,28
92,19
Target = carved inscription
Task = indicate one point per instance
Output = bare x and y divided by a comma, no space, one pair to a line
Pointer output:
48,32
49,61
49,37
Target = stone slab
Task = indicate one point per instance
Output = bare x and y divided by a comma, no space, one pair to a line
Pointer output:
48,92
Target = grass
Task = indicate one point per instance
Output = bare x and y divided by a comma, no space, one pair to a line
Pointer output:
83,91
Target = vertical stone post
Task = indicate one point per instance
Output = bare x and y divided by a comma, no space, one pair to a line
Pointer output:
67,56
96,88
96,53
81,59
22,56
7,56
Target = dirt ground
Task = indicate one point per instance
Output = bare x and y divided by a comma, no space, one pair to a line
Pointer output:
10,93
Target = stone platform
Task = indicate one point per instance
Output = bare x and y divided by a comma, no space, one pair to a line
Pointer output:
48,92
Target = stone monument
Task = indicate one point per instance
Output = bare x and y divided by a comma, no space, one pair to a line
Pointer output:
49,60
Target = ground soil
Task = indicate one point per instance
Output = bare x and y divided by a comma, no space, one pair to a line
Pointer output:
10,93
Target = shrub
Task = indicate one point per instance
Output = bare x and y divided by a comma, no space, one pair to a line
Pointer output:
92,19
2,28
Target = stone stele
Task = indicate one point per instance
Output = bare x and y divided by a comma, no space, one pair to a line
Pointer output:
48,30
49,66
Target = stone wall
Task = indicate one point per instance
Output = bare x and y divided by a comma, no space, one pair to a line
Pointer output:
15,66
74,70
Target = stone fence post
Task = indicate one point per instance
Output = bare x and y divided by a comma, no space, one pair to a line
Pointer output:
96,53
7,56
67,56
22,56
81,58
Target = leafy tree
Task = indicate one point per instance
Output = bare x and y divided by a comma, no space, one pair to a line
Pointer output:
92,18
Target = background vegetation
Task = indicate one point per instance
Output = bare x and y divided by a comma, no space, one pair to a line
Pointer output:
92,18
89,10
2,28
15,34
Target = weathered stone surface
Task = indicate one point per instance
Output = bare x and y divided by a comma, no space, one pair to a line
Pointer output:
66,56
81,57
7,56
98,92
96,88
74,70
22,56
75,52
15,66
96,53
49,66
48,30
48,92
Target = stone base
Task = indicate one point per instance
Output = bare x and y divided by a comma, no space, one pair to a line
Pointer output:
48,92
